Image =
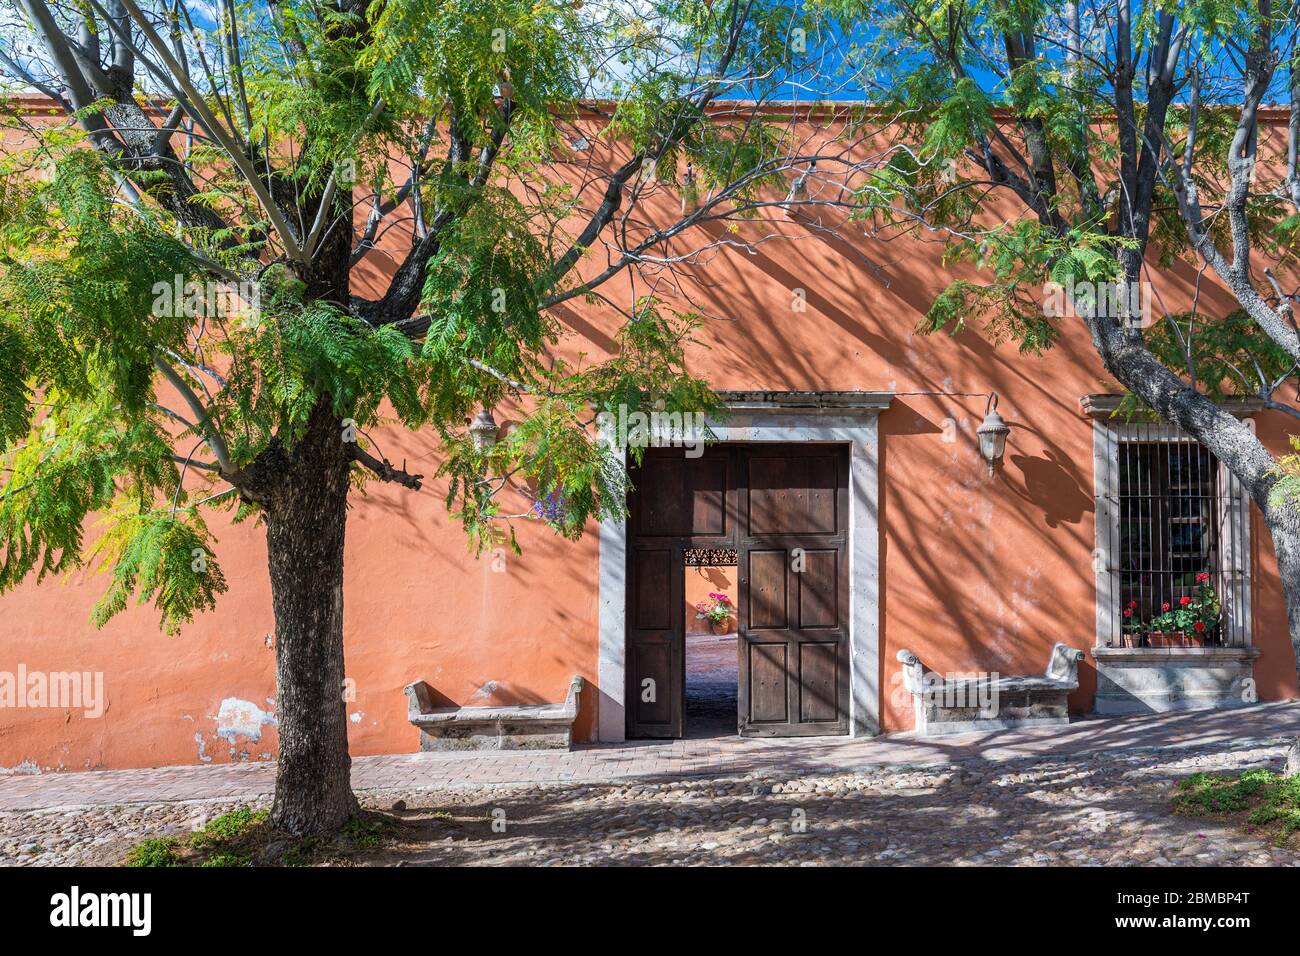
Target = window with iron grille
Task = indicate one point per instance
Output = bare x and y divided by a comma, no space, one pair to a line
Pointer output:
1173,541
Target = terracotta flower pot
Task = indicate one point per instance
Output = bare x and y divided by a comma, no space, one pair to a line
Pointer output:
1166,639
1130,639
721,627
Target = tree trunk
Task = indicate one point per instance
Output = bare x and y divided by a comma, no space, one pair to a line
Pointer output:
1284,525
305,529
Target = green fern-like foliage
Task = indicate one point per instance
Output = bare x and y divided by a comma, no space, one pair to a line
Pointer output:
80,431
1035,282
310,352
572,476
1231,356
969,84
161,557
125,419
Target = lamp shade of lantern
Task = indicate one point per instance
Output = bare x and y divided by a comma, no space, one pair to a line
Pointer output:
483,430
690,191
799,190
992,434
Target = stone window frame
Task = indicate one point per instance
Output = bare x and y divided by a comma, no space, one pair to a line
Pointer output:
1109,434
784,417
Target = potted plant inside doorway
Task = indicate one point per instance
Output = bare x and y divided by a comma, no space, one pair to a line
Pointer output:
718,610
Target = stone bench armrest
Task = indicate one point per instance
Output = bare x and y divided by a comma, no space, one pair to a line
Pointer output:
1063,665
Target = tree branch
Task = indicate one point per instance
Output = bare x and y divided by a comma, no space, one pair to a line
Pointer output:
383,469
218,132
202,414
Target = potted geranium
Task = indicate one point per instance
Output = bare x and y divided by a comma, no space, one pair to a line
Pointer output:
1133,626
718,611
1166,628
1189,623
1207,610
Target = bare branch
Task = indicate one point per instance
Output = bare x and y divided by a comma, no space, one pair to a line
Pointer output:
383,468
218,132
204,425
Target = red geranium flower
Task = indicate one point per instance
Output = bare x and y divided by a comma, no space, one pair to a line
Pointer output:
1165,606
1128,612
1198,626
1203,577
1184,600
1132,603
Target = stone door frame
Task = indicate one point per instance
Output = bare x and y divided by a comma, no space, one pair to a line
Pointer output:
849,418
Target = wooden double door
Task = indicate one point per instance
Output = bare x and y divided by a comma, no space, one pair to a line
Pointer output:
783,510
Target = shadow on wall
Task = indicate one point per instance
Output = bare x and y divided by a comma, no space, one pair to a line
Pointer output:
976,572
1052,484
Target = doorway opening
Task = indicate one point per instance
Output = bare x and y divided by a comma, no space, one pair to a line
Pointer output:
770,520
712,657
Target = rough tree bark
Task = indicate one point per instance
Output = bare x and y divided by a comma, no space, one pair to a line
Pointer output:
1284,525
305,522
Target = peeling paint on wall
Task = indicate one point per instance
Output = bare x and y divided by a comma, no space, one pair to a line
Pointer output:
356,717
27,766
486,691
241,718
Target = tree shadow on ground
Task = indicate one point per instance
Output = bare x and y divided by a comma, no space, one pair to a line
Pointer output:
1070,811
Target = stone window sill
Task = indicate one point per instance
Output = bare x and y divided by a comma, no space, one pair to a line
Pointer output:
1174,655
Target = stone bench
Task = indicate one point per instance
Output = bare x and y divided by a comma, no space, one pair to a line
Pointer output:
971,702
505,727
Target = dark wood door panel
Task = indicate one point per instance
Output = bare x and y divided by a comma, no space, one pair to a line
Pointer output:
680,497
676,503
768,589
819,588
791,494
706,483
652,575
819,681
768,679
655,711
793,580
661,501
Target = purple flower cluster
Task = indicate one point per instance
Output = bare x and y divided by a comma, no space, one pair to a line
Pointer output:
549,507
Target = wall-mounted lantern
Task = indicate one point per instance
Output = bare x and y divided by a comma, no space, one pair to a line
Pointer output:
992,433
799,190
690,191
483,430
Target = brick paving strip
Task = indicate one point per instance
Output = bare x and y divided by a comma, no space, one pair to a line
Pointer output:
655,762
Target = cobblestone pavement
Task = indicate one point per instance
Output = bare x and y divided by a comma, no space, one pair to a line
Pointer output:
710,691
1095,792
659,761
1097,809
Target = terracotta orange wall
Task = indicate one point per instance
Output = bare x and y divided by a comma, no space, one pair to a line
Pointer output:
417,605
976,572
